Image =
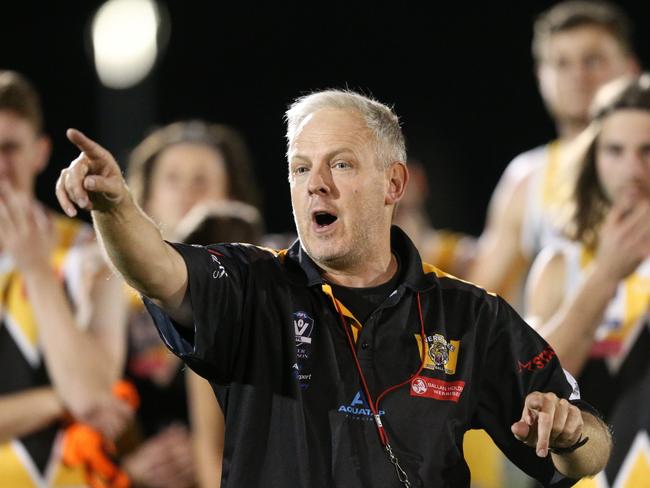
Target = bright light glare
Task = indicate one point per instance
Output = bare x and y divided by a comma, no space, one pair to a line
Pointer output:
124,36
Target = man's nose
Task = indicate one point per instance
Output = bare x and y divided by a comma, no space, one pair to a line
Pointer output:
320,182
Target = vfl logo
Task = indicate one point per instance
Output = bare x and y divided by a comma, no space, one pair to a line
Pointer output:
442,355
358,407
303,326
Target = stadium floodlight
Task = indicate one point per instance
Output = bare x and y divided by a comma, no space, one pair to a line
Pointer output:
125,41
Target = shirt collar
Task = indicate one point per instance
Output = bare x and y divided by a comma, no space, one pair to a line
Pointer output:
413,275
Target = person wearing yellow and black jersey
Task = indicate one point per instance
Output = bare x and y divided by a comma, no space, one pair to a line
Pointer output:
589,294
578,45
309,404
62,319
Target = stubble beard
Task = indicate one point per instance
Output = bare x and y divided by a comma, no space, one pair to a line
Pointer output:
347,254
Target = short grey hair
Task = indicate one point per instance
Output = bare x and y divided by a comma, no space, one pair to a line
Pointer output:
380,119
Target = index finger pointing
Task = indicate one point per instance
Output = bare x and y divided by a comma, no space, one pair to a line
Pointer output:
89,147
544,426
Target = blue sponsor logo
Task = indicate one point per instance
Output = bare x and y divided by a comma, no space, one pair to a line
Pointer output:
358,407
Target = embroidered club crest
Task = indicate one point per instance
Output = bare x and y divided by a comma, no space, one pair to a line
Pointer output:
439,350
441,354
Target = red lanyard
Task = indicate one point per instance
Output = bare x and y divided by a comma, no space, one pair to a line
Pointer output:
374,404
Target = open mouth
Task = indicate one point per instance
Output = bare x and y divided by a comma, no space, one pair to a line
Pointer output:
323,219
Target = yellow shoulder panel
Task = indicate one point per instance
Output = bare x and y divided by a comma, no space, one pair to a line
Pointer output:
430,268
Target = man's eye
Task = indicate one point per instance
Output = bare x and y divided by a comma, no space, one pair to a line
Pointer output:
561,63
9,148
300,170
613,150
341,165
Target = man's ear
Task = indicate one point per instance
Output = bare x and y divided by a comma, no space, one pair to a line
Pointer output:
43,151
398,177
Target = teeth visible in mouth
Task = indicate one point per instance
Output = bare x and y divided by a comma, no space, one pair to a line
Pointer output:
323,218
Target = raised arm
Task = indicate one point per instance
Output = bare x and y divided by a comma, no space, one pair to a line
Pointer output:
131,240
83,355
568,319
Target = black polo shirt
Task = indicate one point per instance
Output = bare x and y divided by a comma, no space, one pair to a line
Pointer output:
266,327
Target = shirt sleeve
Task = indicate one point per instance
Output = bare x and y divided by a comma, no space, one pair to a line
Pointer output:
218,280
515,362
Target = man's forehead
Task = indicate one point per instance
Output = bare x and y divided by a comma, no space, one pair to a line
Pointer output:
332,126
584,36
13,124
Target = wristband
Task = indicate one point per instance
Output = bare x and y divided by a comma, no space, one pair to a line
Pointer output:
566,450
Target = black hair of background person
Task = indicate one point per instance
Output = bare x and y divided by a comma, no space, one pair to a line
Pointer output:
460,76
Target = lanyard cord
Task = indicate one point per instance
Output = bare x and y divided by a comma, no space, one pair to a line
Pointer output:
374,405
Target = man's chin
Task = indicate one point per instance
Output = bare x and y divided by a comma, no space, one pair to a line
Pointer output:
327,256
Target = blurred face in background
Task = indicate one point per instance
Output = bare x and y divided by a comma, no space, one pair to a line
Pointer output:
575,63
623,155
183,175
23,153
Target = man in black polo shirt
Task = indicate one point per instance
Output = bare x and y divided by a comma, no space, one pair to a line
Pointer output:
348,361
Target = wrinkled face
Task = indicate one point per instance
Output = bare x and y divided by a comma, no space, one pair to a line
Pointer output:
623,154
575,63
23,153
184,175
338,189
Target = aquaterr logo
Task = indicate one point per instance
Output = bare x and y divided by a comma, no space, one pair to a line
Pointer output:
358,408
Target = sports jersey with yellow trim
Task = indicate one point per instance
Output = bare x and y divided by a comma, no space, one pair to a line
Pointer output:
33,461
268,327
548,193
448,250
616,378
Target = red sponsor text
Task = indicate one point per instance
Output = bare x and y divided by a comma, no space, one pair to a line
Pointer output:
537,362
421,386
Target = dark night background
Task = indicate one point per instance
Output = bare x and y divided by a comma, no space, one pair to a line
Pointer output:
459,75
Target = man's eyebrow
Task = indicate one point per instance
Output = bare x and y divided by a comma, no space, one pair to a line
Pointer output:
329,155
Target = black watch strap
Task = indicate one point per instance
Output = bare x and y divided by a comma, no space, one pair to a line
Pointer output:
566,450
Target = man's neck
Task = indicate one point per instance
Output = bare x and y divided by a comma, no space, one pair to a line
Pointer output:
371,273
569,129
